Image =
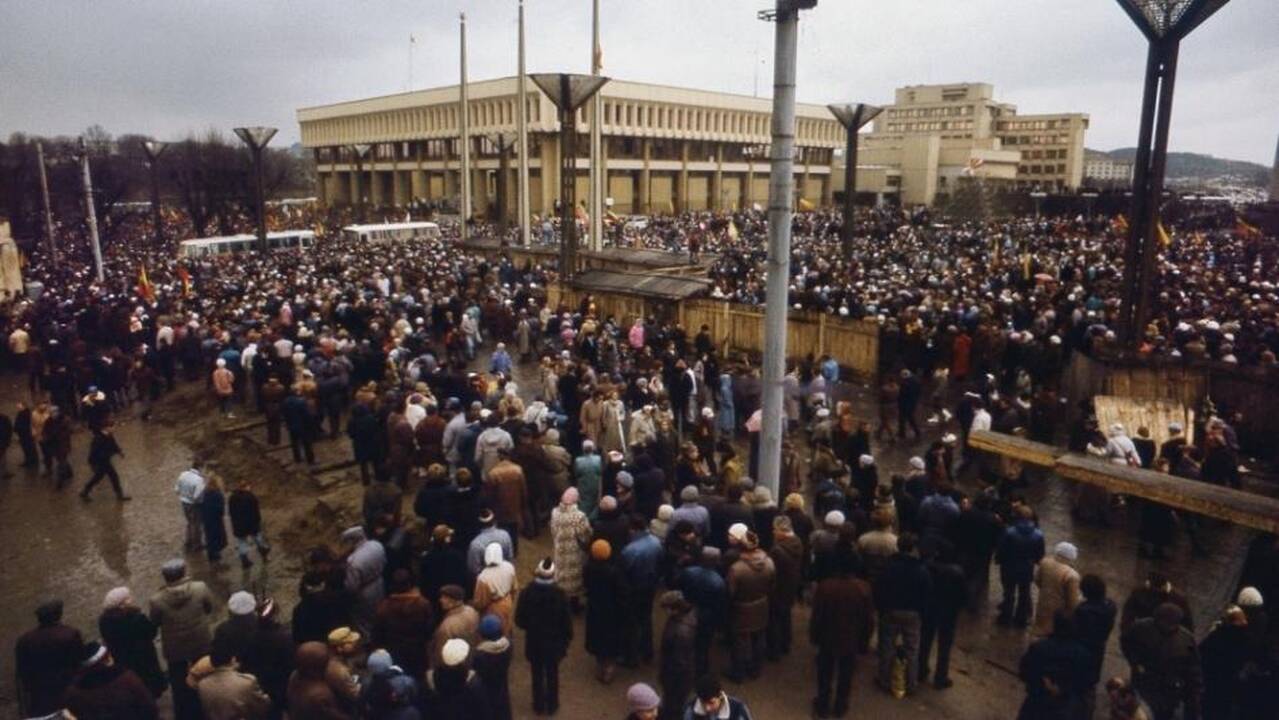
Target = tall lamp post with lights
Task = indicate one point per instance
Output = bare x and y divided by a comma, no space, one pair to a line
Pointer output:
853,116
569,92
153,149
1164,23
257,138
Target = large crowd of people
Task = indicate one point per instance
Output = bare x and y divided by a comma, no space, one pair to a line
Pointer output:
632,444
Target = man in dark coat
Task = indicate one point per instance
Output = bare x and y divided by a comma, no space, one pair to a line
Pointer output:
47,659
1019,550
102,448
840,626
103,689
788,561
26,438
1094,621
1165,663
902,594
543,613
246,522
950,595
606,608
1051,670
269,656
678,654
300,421
130,637
453,690
366,441
272,399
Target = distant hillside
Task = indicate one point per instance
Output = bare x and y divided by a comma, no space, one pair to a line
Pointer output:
1195,166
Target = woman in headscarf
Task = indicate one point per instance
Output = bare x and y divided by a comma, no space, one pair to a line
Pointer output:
130,637
613,414
570,532
495,588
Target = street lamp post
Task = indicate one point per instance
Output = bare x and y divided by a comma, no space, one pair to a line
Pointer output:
1164,23
853,117
90,211
50,242
360,149
257,138
569,92
504,143
153,150
781,184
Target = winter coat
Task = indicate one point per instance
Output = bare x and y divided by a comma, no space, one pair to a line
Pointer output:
678,658
381,498
1165,667
751,580
364,578
1058,590
269,658
1093,623
606,609
130,636
246,517
320,612
309,693
588,472
570,532
491,661
227,694
1019,550
182,609
212,518
543,613
47,659
733,709
904,585
460,622
438,567
843,616
365,434
110,692
788,560
455,694
508,494
402,625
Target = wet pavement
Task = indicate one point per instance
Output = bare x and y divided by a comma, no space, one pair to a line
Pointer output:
53,545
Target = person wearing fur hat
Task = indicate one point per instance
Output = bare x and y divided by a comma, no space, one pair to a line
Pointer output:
751,581
543,613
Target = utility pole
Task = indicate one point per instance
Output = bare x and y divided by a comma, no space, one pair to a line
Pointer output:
50,243
464,111
521,124
781,185
90,212
598,174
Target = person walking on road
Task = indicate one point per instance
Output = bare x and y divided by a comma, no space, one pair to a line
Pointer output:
102,448
190,489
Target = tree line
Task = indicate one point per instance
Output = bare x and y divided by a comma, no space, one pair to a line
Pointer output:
210,176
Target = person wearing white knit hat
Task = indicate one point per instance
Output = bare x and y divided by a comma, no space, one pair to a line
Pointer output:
455,652
1058,583
1249,597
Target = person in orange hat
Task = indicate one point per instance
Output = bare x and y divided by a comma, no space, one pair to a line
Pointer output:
606,609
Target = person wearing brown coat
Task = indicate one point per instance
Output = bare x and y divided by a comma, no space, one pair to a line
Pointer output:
508,494
429,435
840,626
47,658
310,695
103,689
272,396
460,621
402,624
788,560
751,580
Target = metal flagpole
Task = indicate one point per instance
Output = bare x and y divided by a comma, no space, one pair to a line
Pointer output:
781,184
465,135
90,212
598,174
521,122
50,243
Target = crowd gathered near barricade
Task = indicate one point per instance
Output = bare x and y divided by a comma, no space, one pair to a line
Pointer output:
633,445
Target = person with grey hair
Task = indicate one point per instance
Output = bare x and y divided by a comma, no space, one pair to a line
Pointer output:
183,609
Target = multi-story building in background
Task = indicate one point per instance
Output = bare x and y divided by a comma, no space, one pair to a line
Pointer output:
1102,170
666,149
669,149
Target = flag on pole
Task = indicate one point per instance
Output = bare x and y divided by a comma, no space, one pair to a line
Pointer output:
1120,223
145,288
1243,228
732,231
1164,238
185,277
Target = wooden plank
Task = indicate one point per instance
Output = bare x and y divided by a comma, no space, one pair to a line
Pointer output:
1236,506
1027,451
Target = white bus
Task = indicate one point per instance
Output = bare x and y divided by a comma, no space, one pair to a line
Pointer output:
232,244
391,232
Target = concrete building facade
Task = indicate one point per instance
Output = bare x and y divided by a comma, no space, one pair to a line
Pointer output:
931,135
1102,170
666,149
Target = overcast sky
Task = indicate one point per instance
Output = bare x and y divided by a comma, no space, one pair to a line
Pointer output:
169,68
